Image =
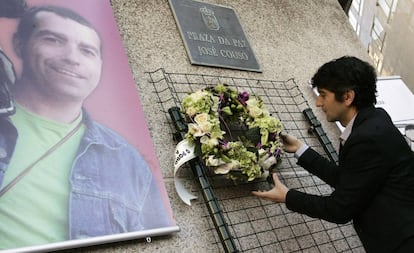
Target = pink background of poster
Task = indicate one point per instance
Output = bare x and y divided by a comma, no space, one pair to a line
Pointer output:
115,103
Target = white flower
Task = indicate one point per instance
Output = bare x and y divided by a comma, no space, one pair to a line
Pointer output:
211,142
255,112
211,161
268,162
200,94
191,111
227,167
223,169
253,107
195,130
203,121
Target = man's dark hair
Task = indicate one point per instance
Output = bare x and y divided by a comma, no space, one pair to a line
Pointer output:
27,22
348,73
12,8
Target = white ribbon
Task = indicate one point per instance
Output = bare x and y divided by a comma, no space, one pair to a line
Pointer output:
184,152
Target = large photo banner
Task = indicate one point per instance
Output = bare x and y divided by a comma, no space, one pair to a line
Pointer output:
77,162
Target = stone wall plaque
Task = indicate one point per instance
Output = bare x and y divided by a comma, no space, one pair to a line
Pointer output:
213,36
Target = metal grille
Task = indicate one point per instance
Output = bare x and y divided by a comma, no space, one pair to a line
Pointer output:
257,225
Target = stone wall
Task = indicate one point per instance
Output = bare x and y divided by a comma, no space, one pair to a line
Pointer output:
291,39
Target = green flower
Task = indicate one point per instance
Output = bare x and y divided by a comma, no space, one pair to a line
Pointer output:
197,102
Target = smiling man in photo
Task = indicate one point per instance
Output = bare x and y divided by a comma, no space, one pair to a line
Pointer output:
62,175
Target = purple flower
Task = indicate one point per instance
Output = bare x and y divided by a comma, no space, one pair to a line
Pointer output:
259,145
277,153
243,97
220,104
221,98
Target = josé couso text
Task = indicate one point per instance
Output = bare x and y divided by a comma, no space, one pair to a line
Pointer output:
220,40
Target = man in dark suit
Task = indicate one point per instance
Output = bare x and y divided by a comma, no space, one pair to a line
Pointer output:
374,179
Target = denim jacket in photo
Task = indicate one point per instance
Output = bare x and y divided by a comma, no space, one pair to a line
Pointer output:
112,188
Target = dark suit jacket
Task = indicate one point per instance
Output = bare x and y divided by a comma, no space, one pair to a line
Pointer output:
373,183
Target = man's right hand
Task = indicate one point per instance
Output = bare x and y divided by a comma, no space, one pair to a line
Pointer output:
290,143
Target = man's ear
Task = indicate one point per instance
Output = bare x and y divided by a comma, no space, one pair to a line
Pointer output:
349,97
17,46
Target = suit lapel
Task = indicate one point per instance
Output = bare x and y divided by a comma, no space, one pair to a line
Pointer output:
362,115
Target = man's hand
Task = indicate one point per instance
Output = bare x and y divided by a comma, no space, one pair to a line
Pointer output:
290,143
277,194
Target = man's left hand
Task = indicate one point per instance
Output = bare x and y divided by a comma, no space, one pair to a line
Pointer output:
276,194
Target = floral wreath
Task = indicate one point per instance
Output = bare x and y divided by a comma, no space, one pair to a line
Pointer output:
233,133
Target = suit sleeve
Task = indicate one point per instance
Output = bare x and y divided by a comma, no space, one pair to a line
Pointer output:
319,166
356,181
